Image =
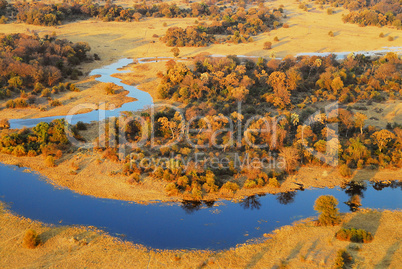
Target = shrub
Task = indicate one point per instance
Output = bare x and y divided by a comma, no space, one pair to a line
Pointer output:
31,239
273,182
19,151
354,235
331,34
229,188
3,20
330,11
109,88
342,259
276,39
390,38
59,154
176,52
382,35
55,103
32,153
49,161
45,93
267,45
183,181
344,170
17,103
134,178
171,188
285,25
326,205
249,184
110,154
4,124
80,126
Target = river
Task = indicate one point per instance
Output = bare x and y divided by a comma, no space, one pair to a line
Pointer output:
173,226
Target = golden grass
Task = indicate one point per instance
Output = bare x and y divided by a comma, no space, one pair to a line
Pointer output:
301,246
308,32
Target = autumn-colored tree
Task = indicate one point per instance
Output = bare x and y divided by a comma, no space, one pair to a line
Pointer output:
346,118
175,125
359,121
31,239
329,213
175,51
277,80
356,151
267,45
382,138
291,157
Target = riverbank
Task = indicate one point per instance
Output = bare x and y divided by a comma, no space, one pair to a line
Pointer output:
86,173
302,245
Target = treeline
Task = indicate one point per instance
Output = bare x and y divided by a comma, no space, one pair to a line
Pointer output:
239,25
190,37
53,14
300,81
356,146
374,13
30,65
46,139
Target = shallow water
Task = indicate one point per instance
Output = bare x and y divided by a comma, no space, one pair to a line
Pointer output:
180,225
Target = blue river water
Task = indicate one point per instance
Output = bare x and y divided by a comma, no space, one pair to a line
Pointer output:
179,225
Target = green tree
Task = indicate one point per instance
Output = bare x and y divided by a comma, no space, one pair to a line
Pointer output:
41,130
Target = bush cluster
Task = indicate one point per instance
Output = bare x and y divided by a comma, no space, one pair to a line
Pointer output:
354,235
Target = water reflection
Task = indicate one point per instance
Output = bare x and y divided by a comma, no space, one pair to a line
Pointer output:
286,198
354,203
355,188
381,185
251,202
191,206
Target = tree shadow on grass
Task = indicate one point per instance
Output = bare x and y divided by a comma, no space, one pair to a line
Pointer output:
311,248
387,259
368,221
52,232
295,251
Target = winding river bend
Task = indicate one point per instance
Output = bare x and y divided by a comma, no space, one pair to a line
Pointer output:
174,226
144,99
180,225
